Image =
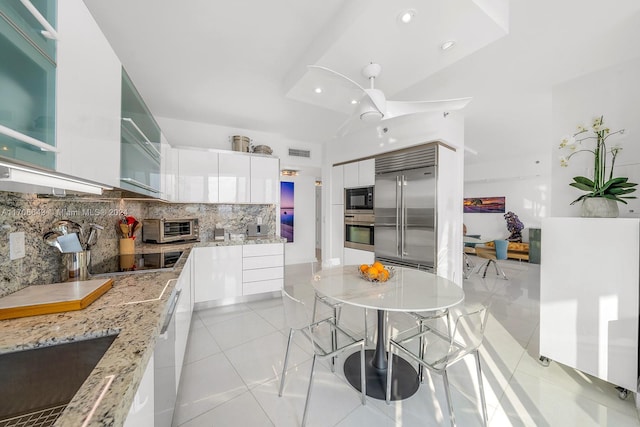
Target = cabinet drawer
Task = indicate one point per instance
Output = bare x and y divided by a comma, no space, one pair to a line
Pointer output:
262,262
259,250
262,274
262,286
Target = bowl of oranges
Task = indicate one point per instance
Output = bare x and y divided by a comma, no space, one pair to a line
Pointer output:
376,272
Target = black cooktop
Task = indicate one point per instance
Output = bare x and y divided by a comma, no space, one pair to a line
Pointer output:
136,262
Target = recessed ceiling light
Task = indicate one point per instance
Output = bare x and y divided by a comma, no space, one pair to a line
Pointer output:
448,44
353,101
318,90
406,16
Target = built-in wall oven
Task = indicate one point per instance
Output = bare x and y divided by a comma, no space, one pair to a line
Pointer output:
358,200
359,231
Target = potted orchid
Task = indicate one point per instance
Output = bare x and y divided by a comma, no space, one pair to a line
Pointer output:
602,192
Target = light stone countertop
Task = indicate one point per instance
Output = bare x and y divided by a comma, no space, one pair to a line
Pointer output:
133,309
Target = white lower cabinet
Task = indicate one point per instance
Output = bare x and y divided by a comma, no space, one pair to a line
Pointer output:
183,315
262,268
141,412
217,272
221,272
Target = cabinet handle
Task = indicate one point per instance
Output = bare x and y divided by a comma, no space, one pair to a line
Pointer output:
27,139
171,311
49,32
139,184
145,139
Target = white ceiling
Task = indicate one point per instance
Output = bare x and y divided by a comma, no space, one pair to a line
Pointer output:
242,63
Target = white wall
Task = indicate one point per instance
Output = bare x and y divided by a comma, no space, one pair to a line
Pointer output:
302,249
527,197
615,93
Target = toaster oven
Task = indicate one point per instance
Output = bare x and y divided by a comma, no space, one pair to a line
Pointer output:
166,230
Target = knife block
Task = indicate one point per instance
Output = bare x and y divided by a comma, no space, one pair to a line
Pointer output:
127,258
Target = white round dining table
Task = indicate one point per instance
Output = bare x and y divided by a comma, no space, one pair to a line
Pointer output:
408,290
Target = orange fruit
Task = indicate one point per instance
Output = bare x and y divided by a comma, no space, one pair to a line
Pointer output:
372,272
383,275
364,267
378,265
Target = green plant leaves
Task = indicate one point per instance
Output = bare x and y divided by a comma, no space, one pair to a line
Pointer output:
614,189
583,180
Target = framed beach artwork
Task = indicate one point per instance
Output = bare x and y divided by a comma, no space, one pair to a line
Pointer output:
286,210
484,205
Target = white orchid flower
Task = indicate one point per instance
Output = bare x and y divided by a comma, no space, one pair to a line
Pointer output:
564,162
567,141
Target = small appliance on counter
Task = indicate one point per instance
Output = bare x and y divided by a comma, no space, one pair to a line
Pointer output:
256,231
167,230
218,234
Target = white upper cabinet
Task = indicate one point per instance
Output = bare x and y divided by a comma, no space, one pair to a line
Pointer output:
197,176
234,178
351,175
337,185
88,98
265,180
204,176
360,174
168,171
367,172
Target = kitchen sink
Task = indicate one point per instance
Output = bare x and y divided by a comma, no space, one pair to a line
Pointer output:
36,385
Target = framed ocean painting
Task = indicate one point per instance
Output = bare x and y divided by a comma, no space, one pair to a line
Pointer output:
286,210
484,205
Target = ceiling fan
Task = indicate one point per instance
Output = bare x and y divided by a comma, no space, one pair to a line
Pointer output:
372,105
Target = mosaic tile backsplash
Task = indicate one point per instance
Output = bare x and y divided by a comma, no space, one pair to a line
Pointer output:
44,264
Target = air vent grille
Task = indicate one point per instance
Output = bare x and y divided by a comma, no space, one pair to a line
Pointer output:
412,159
294,152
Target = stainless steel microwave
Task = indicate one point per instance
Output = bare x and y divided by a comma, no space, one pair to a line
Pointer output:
166,230
358,200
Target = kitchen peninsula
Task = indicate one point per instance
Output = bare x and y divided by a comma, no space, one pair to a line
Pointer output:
133,310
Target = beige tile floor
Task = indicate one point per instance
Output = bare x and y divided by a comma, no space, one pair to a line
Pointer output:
235,353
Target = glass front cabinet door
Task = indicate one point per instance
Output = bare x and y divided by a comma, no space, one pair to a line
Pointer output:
140,143
27,81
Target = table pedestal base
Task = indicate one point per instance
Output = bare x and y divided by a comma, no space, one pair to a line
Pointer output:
404,382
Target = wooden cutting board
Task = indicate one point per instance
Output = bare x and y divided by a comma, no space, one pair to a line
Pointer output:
54,298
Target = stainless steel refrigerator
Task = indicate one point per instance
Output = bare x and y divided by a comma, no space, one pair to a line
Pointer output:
405,203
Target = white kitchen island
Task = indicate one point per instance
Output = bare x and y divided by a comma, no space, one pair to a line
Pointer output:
589,296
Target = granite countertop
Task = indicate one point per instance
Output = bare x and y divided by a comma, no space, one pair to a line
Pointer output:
133,309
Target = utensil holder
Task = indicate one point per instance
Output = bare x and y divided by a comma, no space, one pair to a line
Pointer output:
78,265
127,250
